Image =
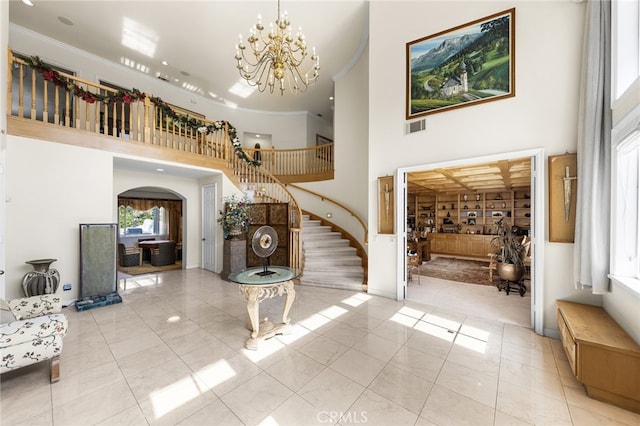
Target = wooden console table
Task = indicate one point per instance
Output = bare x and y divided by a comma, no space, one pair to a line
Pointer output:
602,355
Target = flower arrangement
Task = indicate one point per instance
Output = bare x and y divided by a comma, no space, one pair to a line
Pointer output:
235,215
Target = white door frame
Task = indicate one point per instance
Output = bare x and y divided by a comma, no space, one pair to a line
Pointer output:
537,225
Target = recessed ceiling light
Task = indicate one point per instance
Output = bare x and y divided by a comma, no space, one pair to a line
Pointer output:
165,63
65,21
27,2
257,135
213,95
159,170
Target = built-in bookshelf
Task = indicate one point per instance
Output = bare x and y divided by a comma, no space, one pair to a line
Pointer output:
470,212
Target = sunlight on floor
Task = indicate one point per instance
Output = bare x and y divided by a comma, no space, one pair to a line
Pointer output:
403,319
435,331
333,312
314,321
414,313
471,343
173,396
356,300
442,322
216,373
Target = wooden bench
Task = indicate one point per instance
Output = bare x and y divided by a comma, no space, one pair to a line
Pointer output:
603,357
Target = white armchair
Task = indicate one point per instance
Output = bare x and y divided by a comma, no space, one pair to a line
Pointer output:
31,330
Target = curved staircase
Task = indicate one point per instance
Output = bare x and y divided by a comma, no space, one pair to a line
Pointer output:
329,260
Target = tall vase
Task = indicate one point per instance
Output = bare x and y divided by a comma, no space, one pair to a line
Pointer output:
41,280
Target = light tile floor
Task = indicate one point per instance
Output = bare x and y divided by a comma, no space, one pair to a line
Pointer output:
173,353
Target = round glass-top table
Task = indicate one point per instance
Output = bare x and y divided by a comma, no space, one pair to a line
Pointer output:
260,283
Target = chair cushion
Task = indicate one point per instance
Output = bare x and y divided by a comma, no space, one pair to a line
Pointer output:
40,328
35,306
29,341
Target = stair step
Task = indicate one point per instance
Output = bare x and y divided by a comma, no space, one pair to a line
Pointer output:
354,285
350,270
329,259
335,261
329,243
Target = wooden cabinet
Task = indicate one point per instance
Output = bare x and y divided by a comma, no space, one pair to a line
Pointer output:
438,244
602,355
461,244
479,245
275,215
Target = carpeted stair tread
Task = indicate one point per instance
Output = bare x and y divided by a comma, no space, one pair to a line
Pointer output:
329,259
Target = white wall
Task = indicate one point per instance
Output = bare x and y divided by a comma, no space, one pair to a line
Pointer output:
350,147
51,189
543,114
624,306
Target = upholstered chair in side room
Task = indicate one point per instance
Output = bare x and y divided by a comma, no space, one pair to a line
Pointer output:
164,254
129,256
31,331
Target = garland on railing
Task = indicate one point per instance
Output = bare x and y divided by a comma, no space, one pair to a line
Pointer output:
129,96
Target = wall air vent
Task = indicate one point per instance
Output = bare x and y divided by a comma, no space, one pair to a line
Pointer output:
415,126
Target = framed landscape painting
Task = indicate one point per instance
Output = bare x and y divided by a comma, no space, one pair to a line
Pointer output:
462,66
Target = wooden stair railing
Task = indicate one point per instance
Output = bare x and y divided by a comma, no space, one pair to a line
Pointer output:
310,164
354,242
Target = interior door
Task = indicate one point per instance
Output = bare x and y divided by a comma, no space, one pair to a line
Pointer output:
209,227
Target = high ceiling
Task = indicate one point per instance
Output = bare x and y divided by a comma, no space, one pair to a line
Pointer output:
197,39
497,175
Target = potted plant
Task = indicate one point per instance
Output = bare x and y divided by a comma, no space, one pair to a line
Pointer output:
235,217
509,251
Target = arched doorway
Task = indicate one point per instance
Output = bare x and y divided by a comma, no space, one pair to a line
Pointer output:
147,214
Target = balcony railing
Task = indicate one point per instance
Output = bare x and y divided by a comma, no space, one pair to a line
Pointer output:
38,92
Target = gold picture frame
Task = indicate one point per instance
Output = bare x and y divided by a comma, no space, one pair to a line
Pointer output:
386,209
563,186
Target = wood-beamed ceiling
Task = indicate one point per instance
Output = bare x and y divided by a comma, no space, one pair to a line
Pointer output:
503,175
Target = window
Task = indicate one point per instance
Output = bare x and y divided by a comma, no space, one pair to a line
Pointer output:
626,45
626,218
142,222
625,142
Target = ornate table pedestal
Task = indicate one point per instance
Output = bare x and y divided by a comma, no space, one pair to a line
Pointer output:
257,286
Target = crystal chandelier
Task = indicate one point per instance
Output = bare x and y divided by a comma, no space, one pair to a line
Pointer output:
275,61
